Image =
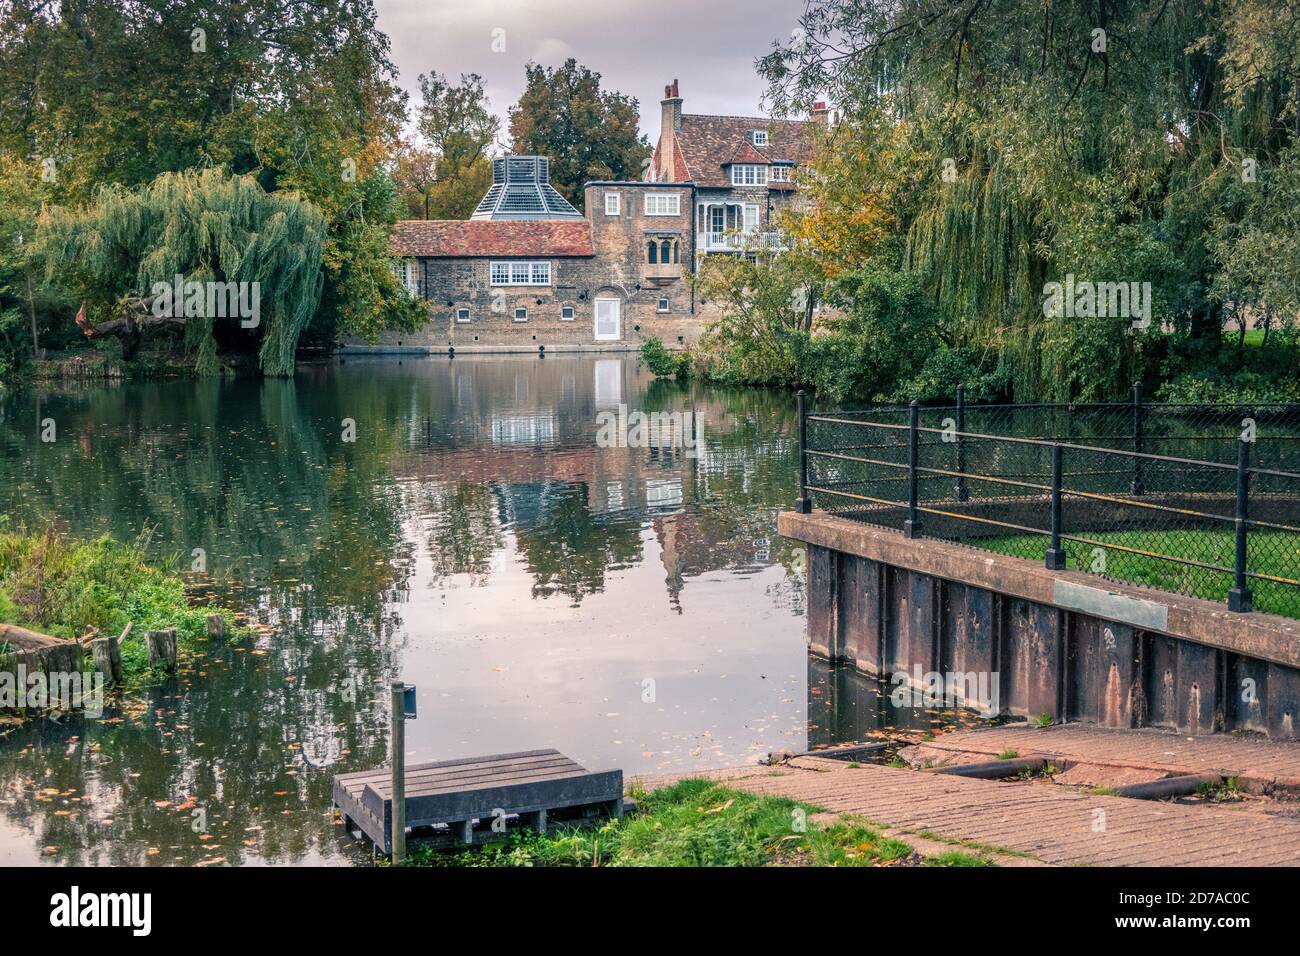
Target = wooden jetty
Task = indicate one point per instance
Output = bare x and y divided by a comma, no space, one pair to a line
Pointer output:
456,802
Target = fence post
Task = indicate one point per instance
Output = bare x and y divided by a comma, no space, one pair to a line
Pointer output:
1239,597
962,493
803,504
1139,479
398,734
912,526
1055,554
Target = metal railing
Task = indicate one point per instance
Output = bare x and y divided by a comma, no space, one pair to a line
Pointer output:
1222,530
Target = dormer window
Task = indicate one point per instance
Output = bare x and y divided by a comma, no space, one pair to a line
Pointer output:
758,137
781,174
745,174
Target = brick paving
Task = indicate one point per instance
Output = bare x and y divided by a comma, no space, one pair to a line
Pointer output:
1052,824
1254,760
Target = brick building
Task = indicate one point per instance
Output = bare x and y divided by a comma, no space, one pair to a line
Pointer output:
528,272
742,167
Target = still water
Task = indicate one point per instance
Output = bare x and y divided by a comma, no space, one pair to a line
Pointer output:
463,525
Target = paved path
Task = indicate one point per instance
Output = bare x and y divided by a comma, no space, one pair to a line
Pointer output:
1053,824
1255,760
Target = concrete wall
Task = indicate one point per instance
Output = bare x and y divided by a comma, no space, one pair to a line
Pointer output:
1060,645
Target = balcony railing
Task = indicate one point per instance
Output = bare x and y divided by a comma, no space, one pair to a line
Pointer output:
735,241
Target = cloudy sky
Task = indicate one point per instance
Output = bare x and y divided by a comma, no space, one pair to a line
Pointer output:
636,45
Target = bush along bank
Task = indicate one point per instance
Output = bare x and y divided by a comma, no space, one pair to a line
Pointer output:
57,594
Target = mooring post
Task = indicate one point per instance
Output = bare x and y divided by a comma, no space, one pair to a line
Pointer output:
962,492
1139,482
162,649
804,504
398,734
912,526
1055,555
1239,597
108,658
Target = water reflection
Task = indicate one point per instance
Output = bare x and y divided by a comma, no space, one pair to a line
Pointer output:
631,606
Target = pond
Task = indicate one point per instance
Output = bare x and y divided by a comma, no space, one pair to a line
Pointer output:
494,530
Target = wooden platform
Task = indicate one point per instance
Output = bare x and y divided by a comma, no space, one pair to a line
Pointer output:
448,798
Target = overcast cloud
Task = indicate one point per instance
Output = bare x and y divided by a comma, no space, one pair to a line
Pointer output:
637,47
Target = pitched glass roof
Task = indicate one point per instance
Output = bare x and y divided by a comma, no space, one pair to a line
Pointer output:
521,189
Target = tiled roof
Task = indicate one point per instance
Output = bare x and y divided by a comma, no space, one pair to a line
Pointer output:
707,143
457,238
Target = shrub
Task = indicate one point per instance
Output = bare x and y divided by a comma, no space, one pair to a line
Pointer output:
664,363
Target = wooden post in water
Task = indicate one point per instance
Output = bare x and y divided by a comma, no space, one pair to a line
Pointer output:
108,658
216,626
398,734
162,649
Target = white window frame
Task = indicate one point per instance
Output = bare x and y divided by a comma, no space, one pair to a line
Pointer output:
462,311
749,217
663,305
748,174
665,204
614,208
760,137
524,310
569,309
409,274
519,272
781,174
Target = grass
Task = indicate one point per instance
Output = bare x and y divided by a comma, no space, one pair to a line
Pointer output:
63,587
974,845
693,823
958,858
1008,755
1271,552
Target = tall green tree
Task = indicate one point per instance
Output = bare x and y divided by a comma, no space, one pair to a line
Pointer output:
1030,141
459,129
587,133
300,95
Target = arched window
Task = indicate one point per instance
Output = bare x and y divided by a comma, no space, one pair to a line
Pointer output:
665,254
654,251
676,252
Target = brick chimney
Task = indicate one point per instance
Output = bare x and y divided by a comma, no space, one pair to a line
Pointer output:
671,122
821,114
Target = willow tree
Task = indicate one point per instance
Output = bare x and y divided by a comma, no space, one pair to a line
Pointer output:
1042,139
129,248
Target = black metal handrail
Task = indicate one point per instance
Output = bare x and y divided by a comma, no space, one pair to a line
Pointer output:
1141,465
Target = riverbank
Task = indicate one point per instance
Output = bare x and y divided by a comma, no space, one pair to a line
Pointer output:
699,822
70,589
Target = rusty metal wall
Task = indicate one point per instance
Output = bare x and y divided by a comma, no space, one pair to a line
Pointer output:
1050,661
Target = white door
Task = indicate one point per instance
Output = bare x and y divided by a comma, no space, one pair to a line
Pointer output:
607,320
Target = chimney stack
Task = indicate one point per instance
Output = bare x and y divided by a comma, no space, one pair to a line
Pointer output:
821,114
670,122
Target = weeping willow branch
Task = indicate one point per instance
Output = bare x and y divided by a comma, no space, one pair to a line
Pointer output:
203,226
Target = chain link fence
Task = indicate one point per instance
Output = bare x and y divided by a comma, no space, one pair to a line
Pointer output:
1195,500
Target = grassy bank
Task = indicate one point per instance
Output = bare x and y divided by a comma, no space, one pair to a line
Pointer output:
107,364
1275,553
699,823
62,587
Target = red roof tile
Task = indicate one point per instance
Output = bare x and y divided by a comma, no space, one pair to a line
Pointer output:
461,238
709,143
